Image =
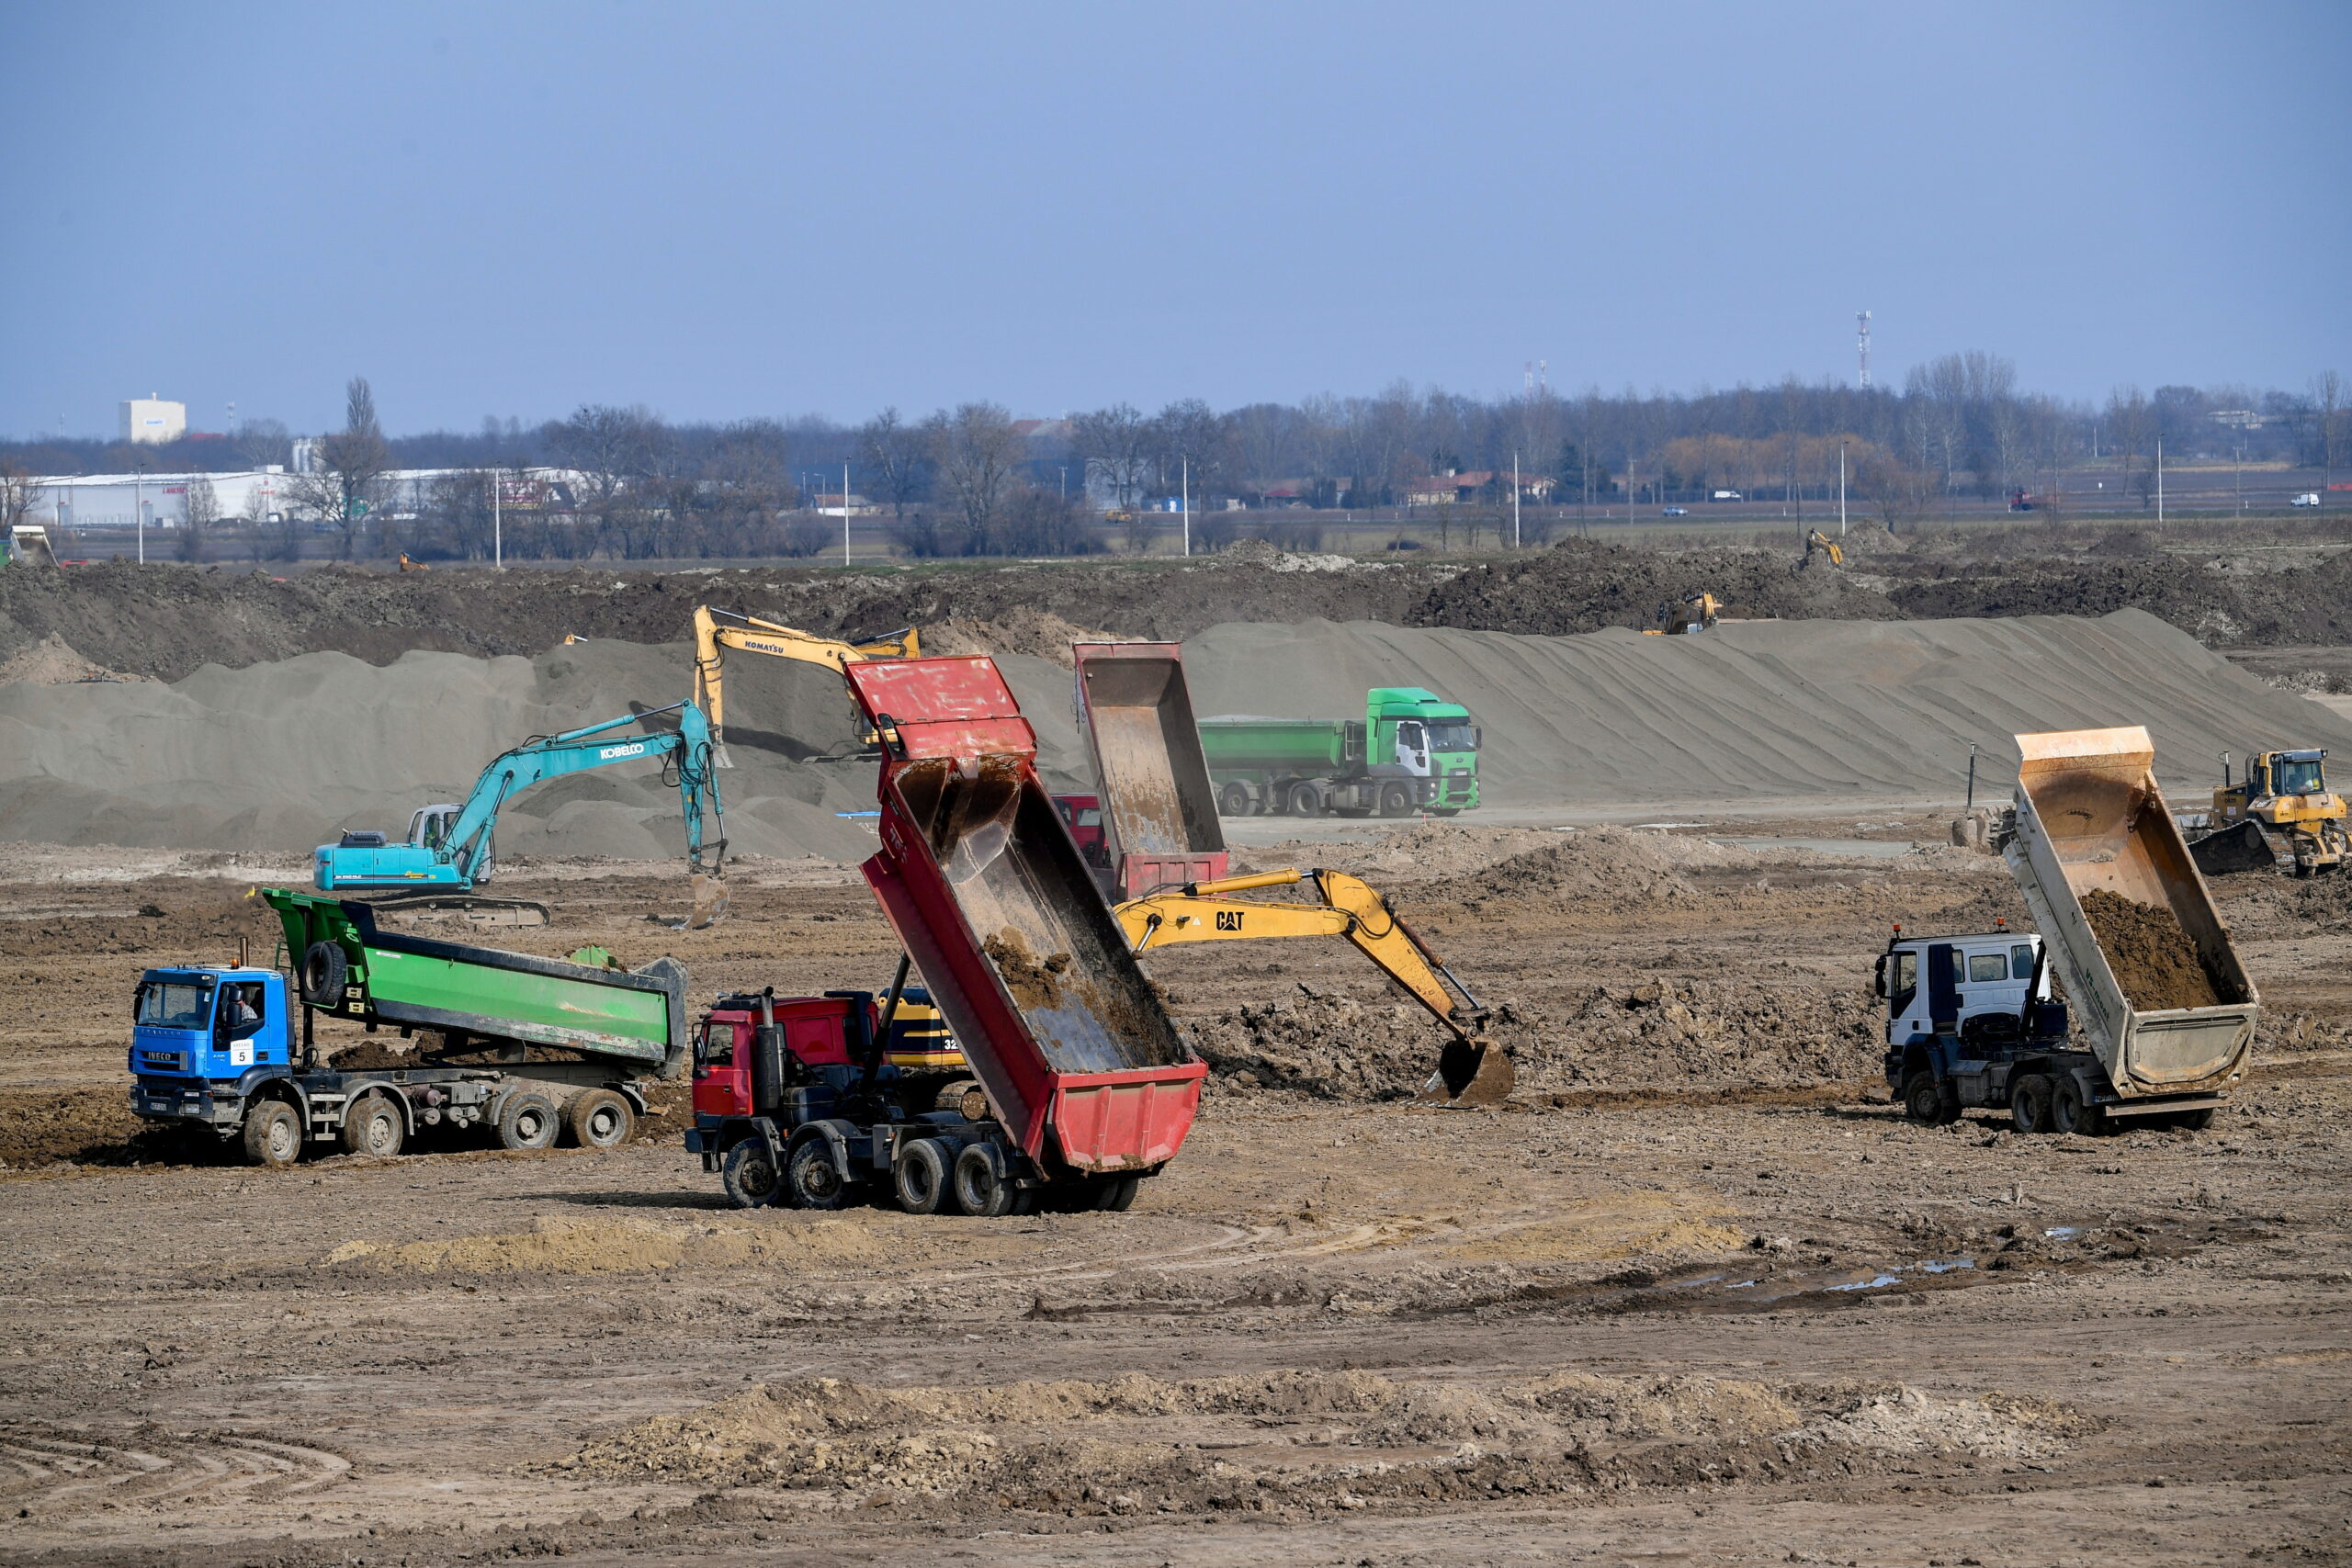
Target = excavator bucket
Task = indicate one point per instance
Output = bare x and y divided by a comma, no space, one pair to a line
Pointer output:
1470,1072
2235,849
711,898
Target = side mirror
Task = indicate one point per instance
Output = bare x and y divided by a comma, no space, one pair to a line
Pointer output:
1878,981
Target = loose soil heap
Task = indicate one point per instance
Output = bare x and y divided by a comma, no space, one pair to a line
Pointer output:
1581,586
1138,1443
2153,959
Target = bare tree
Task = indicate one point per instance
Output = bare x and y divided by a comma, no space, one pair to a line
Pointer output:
975,451
896,456
1115,443
355,457
2130,422
262,441
203,516
2327,407
16,495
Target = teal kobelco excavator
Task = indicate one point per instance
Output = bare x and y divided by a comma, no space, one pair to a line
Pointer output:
448,850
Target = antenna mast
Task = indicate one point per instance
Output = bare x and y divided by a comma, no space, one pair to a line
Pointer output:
1862,337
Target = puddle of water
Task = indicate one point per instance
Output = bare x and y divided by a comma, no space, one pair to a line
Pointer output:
2063,1230
1878,1283
1938,1266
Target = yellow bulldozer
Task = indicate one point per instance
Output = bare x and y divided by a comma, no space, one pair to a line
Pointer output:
718,630
2282,811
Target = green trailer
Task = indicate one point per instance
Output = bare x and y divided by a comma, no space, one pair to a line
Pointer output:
1412,751
530,1048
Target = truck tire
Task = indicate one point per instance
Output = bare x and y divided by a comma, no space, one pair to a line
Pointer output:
2030,1103
1233,800
1396,800
924,1177
983,1187
373,1127
273,1134
528,1121
324,973
1923,1100
1117,1193
2194,1121
1305,800
2070,1112
813,1178
599,1119
748,1173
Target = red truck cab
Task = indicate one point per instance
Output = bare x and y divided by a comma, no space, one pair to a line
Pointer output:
816,1032
1082,815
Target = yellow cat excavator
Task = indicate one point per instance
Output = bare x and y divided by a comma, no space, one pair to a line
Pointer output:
1818,544
1471,1069
716,630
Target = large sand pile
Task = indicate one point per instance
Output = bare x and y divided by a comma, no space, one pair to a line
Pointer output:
281,756
1817,711
284,756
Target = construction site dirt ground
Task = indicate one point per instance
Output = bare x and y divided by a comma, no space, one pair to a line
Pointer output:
1697,1294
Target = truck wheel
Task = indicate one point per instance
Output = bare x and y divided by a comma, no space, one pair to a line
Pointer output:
373,1128
2069,1112
1117,1194
2194,1121
1923,1102
599,1119
1396,800
983,1187
528,1121
1305,800
2030,1104
748,1173
923,1175
325,971
813,1178
273,1134
1233,800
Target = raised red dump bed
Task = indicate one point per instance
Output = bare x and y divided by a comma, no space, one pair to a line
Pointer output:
1160,821
979,876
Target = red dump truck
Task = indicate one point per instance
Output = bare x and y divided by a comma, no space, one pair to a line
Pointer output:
1083,1085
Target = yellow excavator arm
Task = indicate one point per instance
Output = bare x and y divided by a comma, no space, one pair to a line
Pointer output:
1817,540
1470,1069
716,630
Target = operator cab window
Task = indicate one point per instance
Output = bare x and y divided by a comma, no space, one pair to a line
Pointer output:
1987,967
715,1048
240,1012
2021,961
1090,817
175,1004
1903,986
2296,778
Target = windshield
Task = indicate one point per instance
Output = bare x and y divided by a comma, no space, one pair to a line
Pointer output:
1453,735
175,1004
2297,778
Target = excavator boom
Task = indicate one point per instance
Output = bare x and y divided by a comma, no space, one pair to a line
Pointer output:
716,630
1471,1071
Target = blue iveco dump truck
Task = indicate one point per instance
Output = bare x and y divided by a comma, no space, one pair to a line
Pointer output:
231,1050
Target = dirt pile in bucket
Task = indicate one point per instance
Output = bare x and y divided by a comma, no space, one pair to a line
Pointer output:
1035,981
1139,1444
2153,959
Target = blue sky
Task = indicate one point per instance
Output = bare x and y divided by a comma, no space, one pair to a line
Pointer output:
724,210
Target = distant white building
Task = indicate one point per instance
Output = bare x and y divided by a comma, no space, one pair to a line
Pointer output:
152,420
267,494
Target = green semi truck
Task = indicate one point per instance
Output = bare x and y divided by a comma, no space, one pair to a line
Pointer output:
1411,751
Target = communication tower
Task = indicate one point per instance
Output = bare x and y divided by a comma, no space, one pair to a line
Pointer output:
1862,338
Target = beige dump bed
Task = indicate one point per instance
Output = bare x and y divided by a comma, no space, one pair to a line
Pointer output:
2089,817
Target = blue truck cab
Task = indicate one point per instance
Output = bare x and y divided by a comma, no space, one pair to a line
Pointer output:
203,1036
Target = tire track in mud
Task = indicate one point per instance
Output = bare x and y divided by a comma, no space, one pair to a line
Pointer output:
48,1470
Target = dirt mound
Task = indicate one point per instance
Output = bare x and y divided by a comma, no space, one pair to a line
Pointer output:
2202,596
1023,629
2153,959
52,661
1668,1034
1580,585
1615,863
1134,1443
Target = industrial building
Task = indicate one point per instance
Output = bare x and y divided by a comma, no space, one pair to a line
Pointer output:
152,421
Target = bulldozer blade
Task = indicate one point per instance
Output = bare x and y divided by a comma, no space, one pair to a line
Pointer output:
1470,1072
2241,848
710,900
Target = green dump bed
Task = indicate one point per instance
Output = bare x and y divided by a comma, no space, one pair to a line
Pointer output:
1309,746
394,978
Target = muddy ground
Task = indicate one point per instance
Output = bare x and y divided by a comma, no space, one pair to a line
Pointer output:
1698,1293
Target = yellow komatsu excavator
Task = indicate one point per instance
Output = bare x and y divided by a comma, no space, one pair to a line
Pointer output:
716,630
1471,1069
1820,545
